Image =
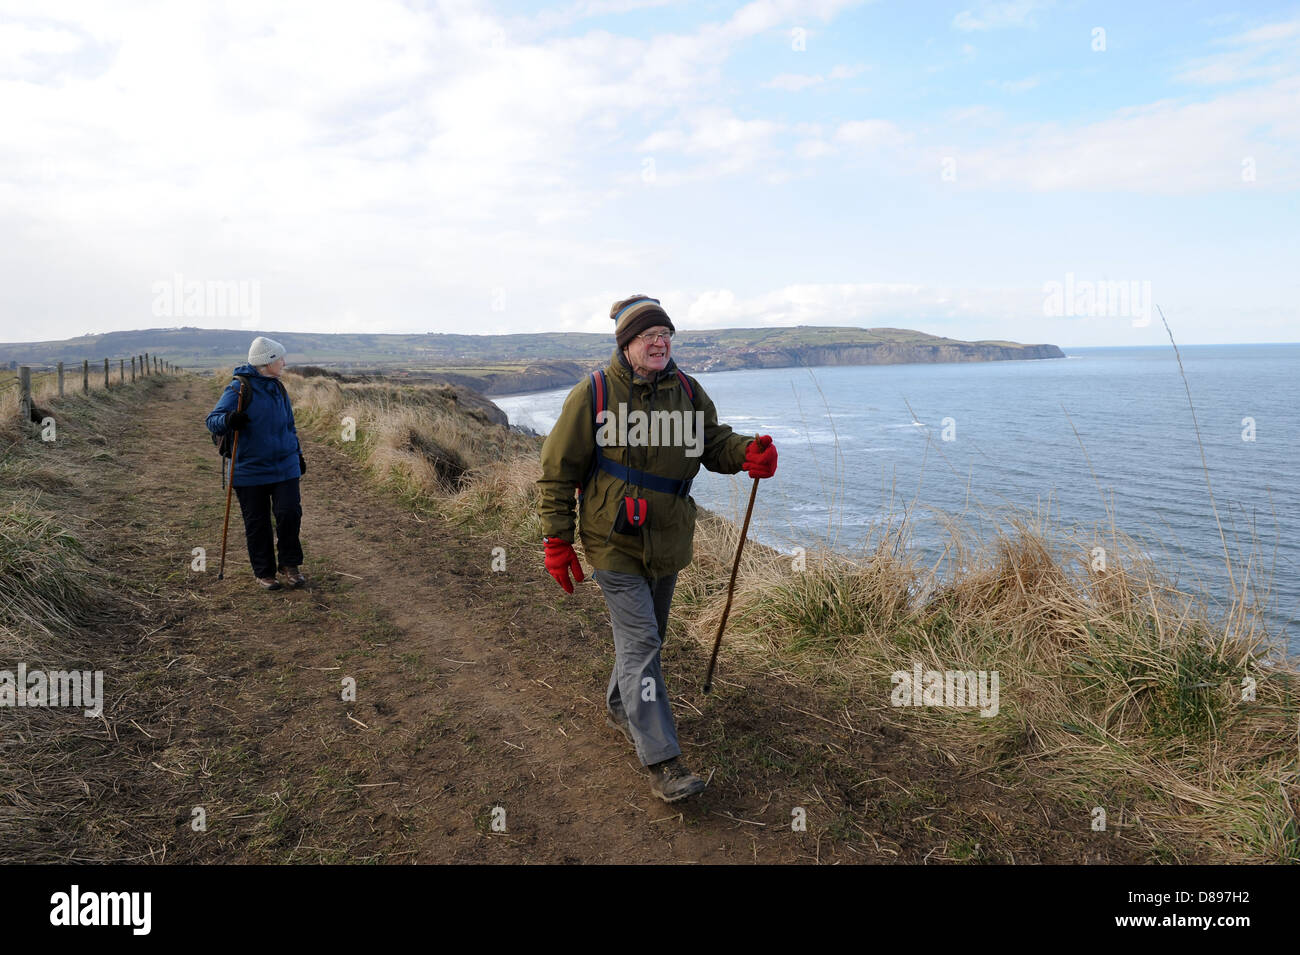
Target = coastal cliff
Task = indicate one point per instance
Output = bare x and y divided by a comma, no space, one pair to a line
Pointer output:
884,353
701,355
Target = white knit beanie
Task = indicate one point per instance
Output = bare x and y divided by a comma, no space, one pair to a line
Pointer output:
263,351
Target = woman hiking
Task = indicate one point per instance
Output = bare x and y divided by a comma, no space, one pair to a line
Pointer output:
633,469
268,462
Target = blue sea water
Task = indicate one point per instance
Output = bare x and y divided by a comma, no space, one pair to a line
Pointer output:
859,443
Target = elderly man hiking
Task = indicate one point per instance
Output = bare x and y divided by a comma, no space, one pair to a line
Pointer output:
630,439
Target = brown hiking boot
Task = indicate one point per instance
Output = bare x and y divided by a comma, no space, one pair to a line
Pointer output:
269,583
293,577
671,780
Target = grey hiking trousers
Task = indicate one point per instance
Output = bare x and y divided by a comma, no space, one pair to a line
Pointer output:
638,611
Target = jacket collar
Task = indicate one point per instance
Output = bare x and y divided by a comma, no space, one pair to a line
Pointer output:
267,381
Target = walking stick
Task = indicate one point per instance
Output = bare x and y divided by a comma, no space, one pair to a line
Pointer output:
230,486
722,624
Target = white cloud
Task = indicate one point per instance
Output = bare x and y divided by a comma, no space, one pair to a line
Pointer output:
23,47
1264,52
1163,147
708,143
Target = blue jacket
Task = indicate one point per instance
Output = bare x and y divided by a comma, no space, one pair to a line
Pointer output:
268,448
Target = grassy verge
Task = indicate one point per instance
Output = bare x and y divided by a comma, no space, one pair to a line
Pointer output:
56,601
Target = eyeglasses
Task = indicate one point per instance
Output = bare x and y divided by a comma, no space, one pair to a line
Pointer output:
651,337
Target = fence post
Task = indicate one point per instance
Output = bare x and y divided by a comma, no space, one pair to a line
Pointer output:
105,374
25,392
60,379
121,371
146,363
85,376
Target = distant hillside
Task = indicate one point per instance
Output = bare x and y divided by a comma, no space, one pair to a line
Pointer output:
501,364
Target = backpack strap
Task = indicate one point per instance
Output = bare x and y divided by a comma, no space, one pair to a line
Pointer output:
686,384
599,395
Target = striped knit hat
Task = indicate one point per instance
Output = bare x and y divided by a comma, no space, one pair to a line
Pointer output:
634,315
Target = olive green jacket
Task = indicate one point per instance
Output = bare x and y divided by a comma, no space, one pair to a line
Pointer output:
666,544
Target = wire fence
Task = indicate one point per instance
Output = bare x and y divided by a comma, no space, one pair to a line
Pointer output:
100,374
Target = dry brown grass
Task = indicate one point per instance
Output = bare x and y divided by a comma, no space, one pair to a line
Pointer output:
1118,688
431,443
56,602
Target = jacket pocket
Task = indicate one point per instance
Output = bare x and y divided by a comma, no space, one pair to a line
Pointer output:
595,516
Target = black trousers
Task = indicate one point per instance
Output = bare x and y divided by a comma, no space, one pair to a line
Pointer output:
258,503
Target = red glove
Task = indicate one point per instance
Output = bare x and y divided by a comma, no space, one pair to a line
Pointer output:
560,559
760,457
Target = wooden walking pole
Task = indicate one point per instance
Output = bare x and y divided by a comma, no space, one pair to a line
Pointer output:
726,610
230,486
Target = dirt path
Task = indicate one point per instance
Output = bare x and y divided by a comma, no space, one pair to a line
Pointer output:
474,690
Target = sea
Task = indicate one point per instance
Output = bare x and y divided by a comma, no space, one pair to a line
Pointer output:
1105,434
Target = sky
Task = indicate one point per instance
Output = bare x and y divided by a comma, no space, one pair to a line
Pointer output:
1026,170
